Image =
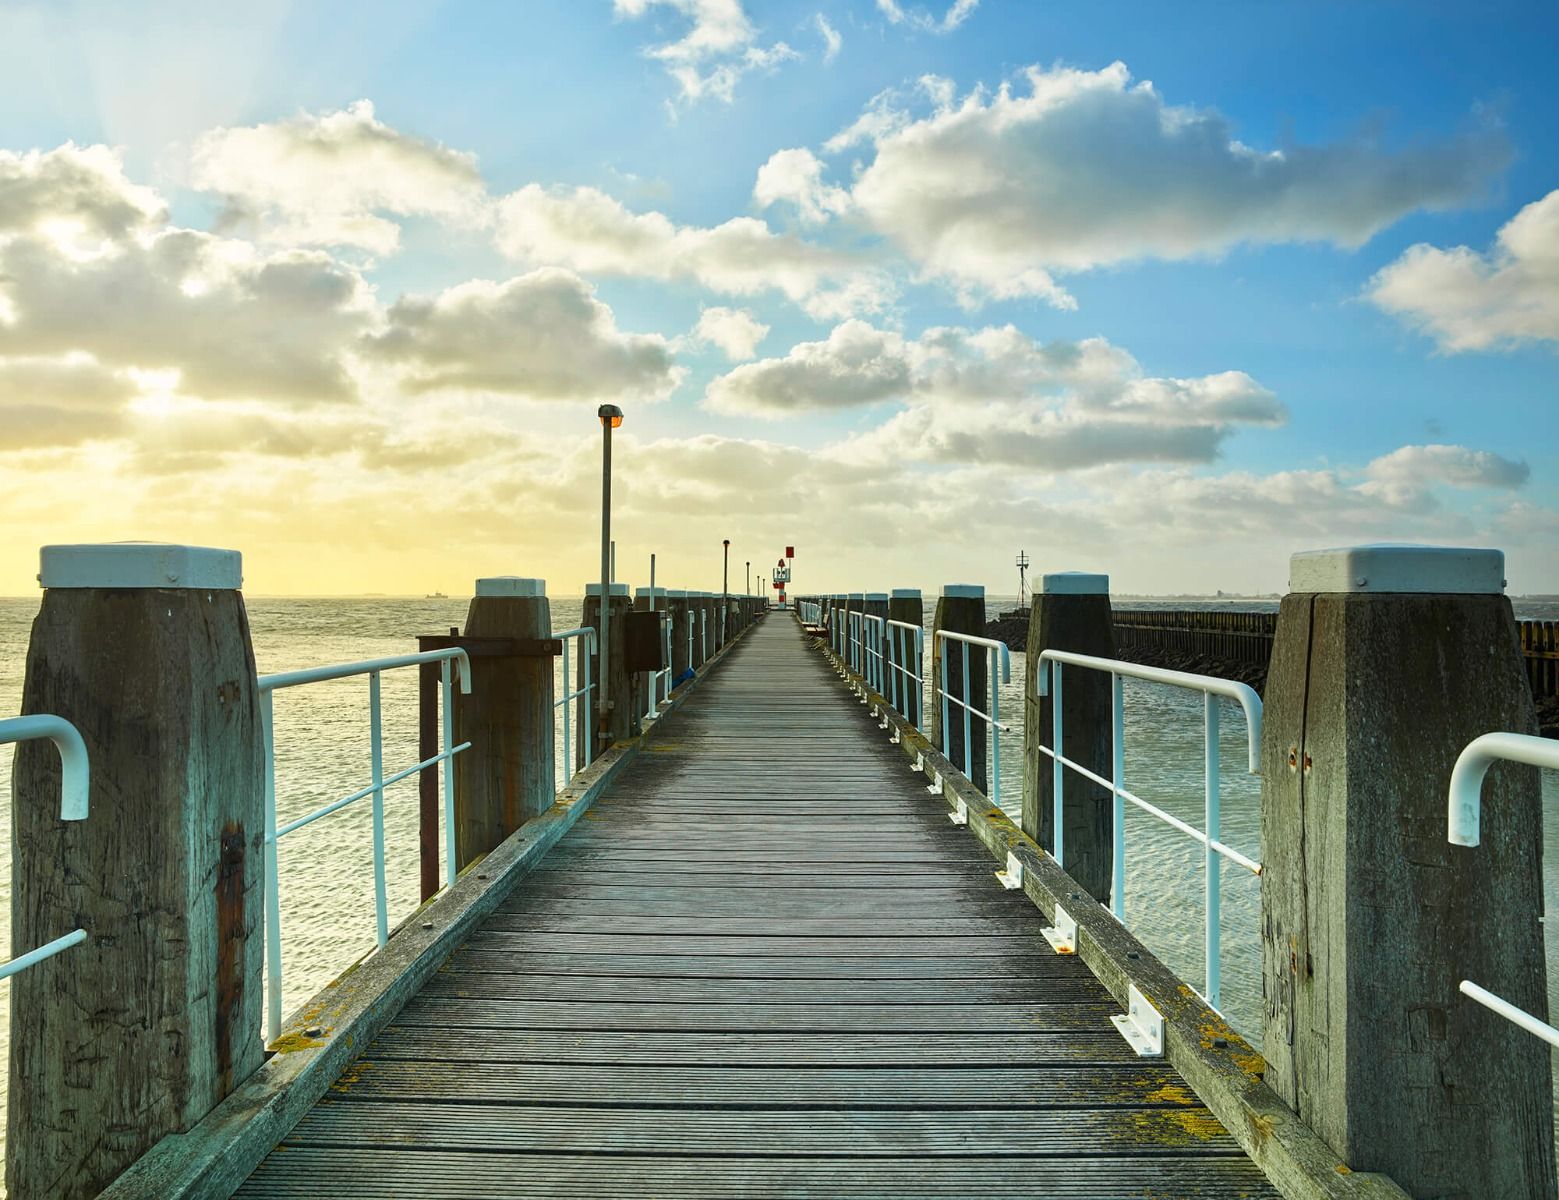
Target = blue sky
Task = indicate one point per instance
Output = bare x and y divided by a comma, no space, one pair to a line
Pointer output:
1251,225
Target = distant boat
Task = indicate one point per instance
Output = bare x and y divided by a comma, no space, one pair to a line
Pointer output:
435,596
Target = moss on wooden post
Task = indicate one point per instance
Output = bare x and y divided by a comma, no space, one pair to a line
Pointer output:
507,776
1387,661
1071,611
139,1031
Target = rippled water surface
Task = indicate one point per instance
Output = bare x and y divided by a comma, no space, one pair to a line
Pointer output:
322,753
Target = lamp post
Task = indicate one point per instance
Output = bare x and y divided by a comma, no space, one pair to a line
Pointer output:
611,417
749,579
725,591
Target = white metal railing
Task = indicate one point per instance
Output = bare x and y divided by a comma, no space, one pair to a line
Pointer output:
75,785
570,694
660,681
269,685
703,632
810,612
873,629
1000,672
1050,681
901,676
1463,829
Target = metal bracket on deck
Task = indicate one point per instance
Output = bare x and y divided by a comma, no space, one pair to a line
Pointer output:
960,813
935,786
894,736
1012,877
920,762
1062,936
1142,1025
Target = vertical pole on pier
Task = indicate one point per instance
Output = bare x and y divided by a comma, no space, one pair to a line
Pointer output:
1387,661
681,658
508,775
960,609
619,721
140,1030
1071,611
875,604
904,604
650,599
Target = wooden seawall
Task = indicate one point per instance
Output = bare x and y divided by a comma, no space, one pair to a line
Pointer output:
764,964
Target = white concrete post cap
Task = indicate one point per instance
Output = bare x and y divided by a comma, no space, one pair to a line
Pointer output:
841,596
964,591
876,596
594,589
854,596
645,593
1389,567
673,594
1074,583
141,565
511,585
906,593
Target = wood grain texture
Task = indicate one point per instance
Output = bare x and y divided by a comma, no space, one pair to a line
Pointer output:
784,1003
1371,918
142,1029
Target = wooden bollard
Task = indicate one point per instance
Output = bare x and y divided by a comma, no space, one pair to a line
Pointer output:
904,604
647,600
621,721
677,605
837,626
960,609
875,604
703,633
1388,660
140,1030
1071,611
854,605
507,776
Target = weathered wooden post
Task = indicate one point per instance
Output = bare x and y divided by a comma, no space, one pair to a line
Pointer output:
854,605
1387,661
904,604
507,776
874,604
622,721
677,604
647,599
1071,611
837,625
960,609
140,1030
703,635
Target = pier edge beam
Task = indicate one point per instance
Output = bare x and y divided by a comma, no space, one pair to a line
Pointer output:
1387,661
1071,611
961,609
905,604
507,776
142,1029
622,722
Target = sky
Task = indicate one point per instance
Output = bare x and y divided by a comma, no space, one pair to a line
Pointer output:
1165,291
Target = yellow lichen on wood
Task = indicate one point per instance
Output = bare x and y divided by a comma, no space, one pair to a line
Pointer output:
1172,1093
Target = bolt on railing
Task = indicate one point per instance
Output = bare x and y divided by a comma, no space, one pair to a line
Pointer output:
1463,821
75,786
373,668
1050,683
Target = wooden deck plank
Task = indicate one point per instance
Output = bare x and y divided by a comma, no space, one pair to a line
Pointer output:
766,965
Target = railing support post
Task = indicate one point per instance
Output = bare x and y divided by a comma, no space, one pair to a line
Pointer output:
508,775
140,1030
1387,661
960,609
875,649
904,604
622,721
1071,611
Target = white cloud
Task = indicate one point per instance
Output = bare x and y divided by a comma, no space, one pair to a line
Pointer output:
999,193
1457,466
76,196
995,396
543,336
796,177
832,40
589,231
957,13
1472,301
734,330
878,119
718,49
325,179
60,401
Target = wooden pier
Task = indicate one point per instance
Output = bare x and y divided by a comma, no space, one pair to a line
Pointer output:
763,964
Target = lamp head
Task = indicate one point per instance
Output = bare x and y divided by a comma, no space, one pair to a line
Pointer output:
610,415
